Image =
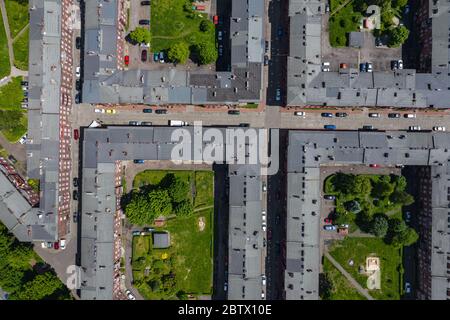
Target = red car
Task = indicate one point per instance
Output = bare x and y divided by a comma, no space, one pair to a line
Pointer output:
216,19
328,220
144,55
374,165
126,60
56,245
76,134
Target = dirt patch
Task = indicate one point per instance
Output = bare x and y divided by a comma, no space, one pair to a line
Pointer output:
201,223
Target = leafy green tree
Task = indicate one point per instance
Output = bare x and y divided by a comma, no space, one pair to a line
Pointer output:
405,238
206,26
11,279
400,183
178,53
401,197
364,221
184,208
353,206
382,189
397,36
207,52
138,210
379,226
41,286
160,202
140,35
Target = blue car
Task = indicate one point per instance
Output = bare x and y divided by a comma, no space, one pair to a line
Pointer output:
278,95
362,67
138,161
280,31
326,115
329,127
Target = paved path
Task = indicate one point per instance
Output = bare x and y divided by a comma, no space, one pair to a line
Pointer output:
14,71
352,281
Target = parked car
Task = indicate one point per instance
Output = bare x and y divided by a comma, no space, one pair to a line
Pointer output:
400,64
78,84
147,110
394,64
216,19
160,111
99,110
378,42
133,123
161,57
410,115
111,111
300,113
225,286
393,115
146,123
329,127
439,128
368,127
263,279
220,49
343,66
362,67
325,66
266,60
326,115
144,22
329,197
263,215
136,233
130,296
374,165
56,245
144,55
414,128
369,67
75,195
408,216
126,60
76,134
145,3
263,295
266,48
156,56
264,226
234,112
75,182
280,31
341,114
140,161
75,217
77,72
329,227
328,221
407,287
23,139
374,115
78,42
220,35
278,94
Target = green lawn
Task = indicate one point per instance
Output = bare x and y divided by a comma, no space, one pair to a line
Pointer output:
189,259
170,24
341,23
11,95
5,67
18,18
357,249
20,47
201,181
340,289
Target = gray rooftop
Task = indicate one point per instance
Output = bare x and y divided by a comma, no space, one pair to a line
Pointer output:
308,85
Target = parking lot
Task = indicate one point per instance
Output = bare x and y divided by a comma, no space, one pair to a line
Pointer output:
380,57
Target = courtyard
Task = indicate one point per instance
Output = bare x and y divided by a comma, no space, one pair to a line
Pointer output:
184,269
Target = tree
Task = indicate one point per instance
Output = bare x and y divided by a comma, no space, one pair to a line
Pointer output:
179,189
184,208
178,53
364,221
207,52
138,210
11,279
140,35
382,189
379,226
41,286
206,26
405,238
397,36
401,197
160,203
400,183
353,206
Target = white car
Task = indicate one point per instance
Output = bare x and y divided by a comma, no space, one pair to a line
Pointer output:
77,72
264,187
23,139
439,128
407,287
130,296
263,279
263,295
300,113
99,110
264,226
400,64
263,214
62,244
325,66
374,115
410,115
414,128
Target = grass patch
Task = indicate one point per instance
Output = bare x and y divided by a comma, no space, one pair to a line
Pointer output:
340,288
5,67
189,260
34,184
251,105
171,24
357,249
201,181
18,17
20,46
11,95
342,23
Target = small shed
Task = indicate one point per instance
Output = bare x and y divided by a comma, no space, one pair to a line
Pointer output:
356,39
161,240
